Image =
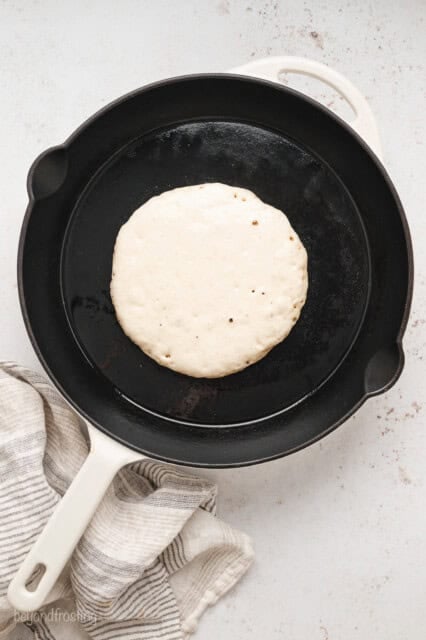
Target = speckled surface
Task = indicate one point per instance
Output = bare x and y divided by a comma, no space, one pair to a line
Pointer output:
340,528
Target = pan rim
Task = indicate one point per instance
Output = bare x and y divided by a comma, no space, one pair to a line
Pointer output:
195,77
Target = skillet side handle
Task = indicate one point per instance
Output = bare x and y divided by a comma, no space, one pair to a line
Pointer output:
64,529
271,68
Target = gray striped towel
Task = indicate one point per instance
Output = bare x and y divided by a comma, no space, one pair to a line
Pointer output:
154,555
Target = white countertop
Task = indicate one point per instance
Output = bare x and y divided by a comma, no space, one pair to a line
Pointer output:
339,528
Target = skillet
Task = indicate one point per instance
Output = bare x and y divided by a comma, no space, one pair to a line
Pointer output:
295,155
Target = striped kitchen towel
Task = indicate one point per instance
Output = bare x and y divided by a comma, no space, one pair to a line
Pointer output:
154,555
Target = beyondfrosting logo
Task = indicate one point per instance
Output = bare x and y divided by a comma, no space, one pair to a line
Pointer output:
53,615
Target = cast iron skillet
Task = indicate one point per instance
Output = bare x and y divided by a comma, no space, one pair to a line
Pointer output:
346,346
293,154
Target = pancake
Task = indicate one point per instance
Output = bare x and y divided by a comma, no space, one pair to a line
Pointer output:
207,279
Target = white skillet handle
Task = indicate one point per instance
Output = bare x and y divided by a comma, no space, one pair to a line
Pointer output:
270,69
61,534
